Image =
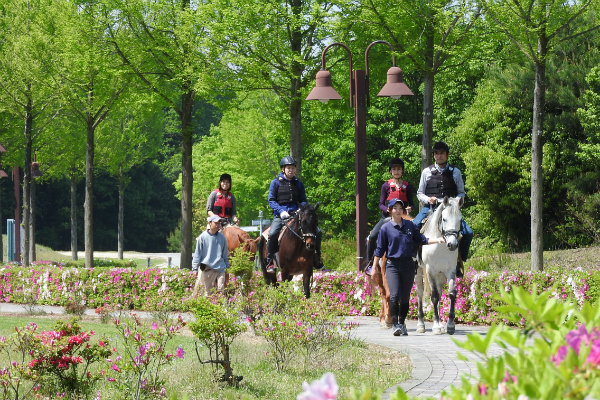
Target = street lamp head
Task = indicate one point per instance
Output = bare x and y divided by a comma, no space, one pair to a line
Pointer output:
323,91
3,174
395,86
2,149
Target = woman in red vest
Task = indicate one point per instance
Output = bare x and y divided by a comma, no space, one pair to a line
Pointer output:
221,201
394,188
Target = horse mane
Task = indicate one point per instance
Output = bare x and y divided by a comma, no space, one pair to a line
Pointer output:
431,227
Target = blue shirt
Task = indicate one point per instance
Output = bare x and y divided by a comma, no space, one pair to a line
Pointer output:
278,208
399,240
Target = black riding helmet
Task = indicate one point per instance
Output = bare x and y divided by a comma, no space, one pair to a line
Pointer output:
287,160
225,177
396,162
441,146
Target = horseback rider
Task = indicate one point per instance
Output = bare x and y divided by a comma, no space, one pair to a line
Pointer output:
394,188
437,181
221,201
286,193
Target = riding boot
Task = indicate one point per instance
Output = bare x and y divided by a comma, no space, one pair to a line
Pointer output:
270,263
317,263
459,267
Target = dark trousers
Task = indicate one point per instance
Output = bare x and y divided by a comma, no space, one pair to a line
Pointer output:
372,243
400,275
276,226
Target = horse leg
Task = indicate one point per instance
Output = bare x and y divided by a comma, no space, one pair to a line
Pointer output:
436,295
450,326
306,281
420,289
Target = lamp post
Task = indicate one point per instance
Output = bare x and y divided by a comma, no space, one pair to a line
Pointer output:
359,98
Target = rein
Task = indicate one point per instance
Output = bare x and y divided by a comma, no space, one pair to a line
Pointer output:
449,232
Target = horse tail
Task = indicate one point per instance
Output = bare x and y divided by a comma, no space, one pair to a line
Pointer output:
263,262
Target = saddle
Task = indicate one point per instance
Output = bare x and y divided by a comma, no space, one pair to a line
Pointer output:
287,226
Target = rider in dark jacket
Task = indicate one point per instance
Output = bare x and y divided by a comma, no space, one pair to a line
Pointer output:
286,193
437,181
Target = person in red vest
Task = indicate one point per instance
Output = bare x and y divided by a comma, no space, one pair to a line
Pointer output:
222,202
394,188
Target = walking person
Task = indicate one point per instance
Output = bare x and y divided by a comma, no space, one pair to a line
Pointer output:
222,202
397,239
211,258
286,193
437,181
394,188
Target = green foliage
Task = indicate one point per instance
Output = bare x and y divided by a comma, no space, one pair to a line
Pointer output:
214,324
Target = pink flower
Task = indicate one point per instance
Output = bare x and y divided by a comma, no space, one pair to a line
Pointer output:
114,367
154,326
482,388
325,388
179,353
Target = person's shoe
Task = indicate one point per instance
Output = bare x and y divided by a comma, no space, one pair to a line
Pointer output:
317,263
271,267
403,330
397,331
459,268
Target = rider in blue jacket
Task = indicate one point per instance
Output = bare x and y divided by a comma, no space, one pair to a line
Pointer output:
286,194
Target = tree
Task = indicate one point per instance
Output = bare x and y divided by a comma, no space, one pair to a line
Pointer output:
25,55
161,43
129,137
432,35
275,45
535,27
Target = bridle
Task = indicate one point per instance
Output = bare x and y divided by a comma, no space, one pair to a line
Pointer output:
449,232
298,219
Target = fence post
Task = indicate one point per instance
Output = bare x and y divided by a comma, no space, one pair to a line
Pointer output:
148,262
10,245
169,262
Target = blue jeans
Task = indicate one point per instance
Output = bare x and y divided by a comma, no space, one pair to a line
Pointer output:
465,231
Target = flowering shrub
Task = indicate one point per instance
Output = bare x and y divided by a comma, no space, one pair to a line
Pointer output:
137,372
56,361
347,293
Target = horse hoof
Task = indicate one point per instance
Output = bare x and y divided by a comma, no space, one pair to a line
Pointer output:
450,331
385,325
437,331
421,329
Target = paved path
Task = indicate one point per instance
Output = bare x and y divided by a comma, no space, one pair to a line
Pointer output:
435,365
175,257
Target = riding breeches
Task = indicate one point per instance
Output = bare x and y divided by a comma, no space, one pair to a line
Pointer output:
400,275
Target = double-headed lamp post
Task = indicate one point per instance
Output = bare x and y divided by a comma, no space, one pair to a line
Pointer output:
359,91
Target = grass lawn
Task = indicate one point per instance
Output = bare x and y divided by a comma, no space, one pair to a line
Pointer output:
354,364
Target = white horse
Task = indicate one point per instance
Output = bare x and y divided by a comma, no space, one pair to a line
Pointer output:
439,261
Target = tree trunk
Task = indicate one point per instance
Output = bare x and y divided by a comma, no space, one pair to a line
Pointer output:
187,179
26,179
428,83
537,234
89,196
121,213
295,86
31,227
73,218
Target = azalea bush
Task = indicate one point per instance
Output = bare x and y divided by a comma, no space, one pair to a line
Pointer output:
346,293
137,373
50,363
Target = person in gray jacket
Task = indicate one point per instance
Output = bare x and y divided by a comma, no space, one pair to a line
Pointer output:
210,258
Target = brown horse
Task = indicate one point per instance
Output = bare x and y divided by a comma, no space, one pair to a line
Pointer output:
380,280
237,237
296,249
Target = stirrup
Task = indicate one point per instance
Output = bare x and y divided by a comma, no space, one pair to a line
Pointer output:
271,267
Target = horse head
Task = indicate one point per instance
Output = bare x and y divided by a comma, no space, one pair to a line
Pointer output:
450,221
308,221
